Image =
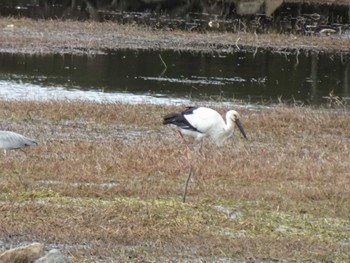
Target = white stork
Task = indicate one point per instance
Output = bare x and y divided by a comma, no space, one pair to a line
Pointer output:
200,122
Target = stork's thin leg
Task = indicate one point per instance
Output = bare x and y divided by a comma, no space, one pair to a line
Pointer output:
200,147
183,140
186,183
182,137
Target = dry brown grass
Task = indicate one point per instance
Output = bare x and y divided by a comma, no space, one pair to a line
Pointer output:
106,181
72,37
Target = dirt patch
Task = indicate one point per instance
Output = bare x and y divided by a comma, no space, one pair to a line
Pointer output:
71,37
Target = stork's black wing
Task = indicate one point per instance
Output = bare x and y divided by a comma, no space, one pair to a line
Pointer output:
179,120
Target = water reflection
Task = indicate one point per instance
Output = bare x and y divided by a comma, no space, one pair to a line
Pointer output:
146,76
28,91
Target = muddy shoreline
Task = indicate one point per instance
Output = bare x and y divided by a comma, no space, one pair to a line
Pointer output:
90,38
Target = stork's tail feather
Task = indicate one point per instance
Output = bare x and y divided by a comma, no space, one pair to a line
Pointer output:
171,118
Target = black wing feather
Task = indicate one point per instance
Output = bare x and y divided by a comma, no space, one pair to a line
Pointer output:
179,119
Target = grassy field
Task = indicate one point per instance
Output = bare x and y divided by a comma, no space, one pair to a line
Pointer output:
106,182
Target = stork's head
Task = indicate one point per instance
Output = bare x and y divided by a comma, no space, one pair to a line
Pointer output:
234,116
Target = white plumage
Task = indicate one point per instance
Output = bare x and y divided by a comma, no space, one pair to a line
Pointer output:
200,122
12,140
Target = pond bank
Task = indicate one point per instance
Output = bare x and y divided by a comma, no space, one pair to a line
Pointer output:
71,37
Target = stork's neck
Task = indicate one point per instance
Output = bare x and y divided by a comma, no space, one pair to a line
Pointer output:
229,124
222,134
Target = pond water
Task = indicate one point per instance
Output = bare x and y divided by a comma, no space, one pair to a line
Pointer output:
172,77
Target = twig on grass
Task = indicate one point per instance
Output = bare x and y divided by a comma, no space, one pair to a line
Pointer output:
165,66
237,43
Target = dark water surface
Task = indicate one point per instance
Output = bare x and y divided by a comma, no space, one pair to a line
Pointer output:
170,77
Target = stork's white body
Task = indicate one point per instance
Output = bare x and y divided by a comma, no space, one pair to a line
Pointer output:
205,122
12,140
210,124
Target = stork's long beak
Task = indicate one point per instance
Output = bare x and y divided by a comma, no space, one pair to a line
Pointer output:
240,127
